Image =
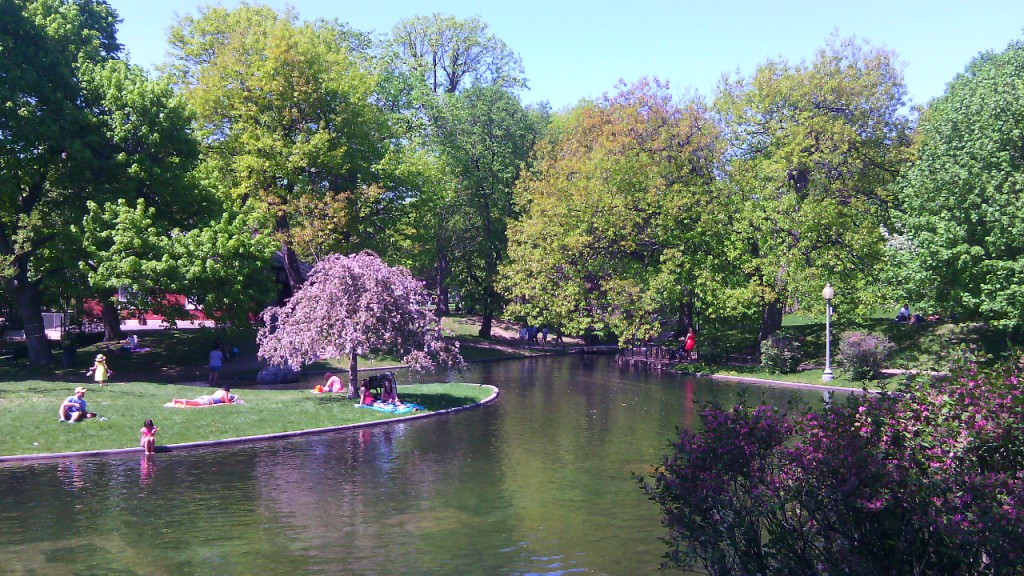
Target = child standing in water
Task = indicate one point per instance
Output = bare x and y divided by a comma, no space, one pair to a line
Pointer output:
148,437
99,370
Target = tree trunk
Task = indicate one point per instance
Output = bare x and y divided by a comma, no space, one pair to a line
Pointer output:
353,375
491,296
111,317
30,311
485,323
291,261
443,269
771,320
685,320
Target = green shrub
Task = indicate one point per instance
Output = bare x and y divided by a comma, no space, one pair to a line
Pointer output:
780,353
862,354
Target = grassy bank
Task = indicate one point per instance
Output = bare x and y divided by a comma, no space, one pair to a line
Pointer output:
809,376
30,422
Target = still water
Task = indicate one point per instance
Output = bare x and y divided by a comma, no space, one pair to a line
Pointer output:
537,482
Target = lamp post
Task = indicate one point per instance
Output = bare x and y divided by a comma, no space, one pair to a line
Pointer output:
828,293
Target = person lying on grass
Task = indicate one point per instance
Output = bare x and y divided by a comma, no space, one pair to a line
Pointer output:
222,396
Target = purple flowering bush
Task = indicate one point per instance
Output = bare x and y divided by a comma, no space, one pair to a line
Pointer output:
862,354
926,480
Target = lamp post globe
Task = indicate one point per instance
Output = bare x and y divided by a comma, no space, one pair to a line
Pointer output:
828,293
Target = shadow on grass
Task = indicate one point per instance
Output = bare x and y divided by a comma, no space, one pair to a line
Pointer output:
430,401
434,402
171,356
335,399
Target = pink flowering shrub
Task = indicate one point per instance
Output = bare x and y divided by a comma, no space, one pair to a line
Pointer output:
862,355
356,306
927,480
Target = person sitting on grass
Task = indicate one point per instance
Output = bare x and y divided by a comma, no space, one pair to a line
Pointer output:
333,383
147,437
73,408
389,392
222,396
365,393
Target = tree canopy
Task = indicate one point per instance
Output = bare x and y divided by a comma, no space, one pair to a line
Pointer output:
618,223
813,151
286,112
450,54
960,244
53,151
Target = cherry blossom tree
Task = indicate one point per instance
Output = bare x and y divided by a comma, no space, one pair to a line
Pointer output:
356,306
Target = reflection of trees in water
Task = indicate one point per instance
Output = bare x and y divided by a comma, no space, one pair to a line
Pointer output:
543,471
97,515
332,484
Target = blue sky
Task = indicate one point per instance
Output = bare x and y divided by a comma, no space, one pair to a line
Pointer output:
575,49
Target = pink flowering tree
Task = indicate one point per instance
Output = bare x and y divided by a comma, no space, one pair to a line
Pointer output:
928,480
354,306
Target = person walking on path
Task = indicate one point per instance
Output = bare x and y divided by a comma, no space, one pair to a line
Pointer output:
216,363
100,371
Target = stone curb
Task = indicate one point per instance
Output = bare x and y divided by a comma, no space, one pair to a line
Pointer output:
244,439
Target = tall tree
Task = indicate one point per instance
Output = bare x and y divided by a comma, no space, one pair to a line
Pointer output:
452,54
287,115
50,145
356,306
485,136
813,149
148,154
962,248
620,230
434,56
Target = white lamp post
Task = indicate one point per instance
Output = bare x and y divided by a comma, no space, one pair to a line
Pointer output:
828,293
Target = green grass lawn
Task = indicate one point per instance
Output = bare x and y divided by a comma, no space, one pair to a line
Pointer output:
30,423
172,356
812,376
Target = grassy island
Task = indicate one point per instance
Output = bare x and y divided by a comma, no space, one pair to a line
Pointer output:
30,424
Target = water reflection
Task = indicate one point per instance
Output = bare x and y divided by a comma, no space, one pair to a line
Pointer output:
537,483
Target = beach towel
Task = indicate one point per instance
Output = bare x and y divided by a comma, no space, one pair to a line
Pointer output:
392,408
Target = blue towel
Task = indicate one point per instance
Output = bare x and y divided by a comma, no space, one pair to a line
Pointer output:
392,408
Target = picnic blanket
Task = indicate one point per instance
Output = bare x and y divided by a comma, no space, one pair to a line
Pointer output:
392,408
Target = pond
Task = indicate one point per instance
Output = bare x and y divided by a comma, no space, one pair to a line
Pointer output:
537,482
